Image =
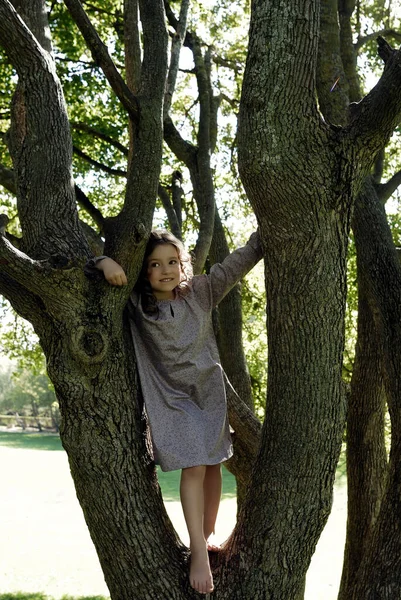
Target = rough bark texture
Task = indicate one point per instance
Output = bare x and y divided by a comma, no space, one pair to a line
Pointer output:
366,449
301,211
39,108
330,76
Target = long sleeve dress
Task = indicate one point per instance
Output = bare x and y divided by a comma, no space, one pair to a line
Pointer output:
179,367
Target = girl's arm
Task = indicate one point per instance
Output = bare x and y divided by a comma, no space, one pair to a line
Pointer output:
223,276
113,273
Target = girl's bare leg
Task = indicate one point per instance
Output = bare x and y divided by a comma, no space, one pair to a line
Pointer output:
193,505
212,495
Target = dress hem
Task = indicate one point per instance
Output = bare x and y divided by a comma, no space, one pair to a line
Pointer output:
203,464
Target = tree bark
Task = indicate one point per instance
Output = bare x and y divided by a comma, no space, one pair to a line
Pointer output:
301,212
379,573
366,448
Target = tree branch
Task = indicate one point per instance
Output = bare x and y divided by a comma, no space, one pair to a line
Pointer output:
183,150
26,304
171,213
176,44
7,179
378,167
100,135
92,211
373,120
362,40
348,52
132,45
201,174
33,12
97,164
385,190
43,170
102,58
245,424
31,274
95,242
130,227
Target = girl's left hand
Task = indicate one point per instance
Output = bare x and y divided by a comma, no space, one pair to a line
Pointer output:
112,271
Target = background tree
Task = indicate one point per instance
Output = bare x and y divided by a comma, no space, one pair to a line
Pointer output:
302,186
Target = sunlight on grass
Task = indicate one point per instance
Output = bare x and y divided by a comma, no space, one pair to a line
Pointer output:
30,441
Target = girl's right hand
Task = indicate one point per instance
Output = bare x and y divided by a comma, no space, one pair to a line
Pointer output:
113,273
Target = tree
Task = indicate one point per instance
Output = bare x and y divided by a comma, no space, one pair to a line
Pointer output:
302,175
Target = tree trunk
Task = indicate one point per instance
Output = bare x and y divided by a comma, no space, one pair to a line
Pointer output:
301,212
366,449
379,573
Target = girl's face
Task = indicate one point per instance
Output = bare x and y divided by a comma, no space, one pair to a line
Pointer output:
164,271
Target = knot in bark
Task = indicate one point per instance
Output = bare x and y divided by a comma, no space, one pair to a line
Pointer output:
89,344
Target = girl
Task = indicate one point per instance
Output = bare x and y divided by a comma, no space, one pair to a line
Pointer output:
181,376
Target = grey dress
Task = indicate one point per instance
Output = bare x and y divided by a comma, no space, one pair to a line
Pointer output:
179,367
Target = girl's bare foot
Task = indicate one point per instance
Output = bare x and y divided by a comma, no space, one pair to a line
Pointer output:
200,576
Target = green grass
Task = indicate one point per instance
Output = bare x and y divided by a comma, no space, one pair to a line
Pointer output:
30,441
39,596
169,482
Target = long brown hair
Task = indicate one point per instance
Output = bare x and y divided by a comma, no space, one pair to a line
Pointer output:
143,287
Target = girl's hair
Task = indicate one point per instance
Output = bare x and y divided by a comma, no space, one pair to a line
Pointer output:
143,287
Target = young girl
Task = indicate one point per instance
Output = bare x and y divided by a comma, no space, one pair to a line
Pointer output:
181,376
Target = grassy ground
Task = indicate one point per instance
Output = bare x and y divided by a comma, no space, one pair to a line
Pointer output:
30,441
46,551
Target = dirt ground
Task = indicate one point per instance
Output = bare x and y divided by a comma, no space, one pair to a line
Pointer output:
45,545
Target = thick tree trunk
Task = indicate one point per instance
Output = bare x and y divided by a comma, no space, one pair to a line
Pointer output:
302,212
